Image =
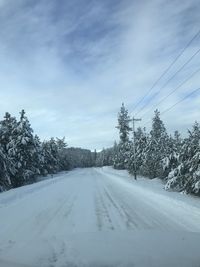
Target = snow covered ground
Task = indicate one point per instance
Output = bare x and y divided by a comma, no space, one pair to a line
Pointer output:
98,217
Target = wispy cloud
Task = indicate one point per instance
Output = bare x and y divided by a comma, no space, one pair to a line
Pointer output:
70,64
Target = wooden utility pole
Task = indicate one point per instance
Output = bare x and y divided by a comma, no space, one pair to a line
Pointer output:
134,152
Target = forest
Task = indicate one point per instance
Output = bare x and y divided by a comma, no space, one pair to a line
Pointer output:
158,154
23,157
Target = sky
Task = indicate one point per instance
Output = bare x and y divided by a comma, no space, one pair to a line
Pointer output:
71,64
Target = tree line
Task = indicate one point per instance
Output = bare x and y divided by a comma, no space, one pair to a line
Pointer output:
174,159
23,157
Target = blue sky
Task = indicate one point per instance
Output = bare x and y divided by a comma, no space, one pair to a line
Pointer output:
70,64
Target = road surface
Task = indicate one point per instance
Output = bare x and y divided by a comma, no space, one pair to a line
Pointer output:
98,217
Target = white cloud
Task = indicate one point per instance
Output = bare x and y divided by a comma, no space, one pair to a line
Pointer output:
72,71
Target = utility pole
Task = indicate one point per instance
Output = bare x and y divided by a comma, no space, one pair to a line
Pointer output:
134,152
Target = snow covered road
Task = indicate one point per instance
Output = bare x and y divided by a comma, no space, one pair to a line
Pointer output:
98,217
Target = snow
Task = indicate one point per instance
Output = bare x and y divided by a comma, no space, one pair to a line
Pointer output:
166,162
98,217
197,185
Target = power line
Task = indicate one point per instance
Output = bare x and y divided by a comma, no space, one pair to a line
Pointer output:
168,109
173,91
167,69
172,77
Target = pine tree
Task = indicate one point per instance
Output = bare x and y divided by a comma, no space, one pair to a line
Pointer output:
23,151
122,156
186,176
38,157
6,165
123,124
7,126
105,157
50,152
95,158
155,150
61,150
140,146
173,151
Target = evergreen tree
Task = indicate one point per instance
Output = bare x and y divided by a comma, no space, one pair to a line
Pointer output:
140,146
6,165
38,157
50,152
94,157
123,124
7,149
23,151
7,126
186,176
156,148
62,159
105,157
173,150
122,155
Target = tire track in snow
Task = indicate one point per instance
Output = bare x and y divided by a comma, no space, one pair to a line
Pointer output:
98,213
46,220
120,209
112,207
110,212
142,219
106,214
102,212
63,210
131,216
